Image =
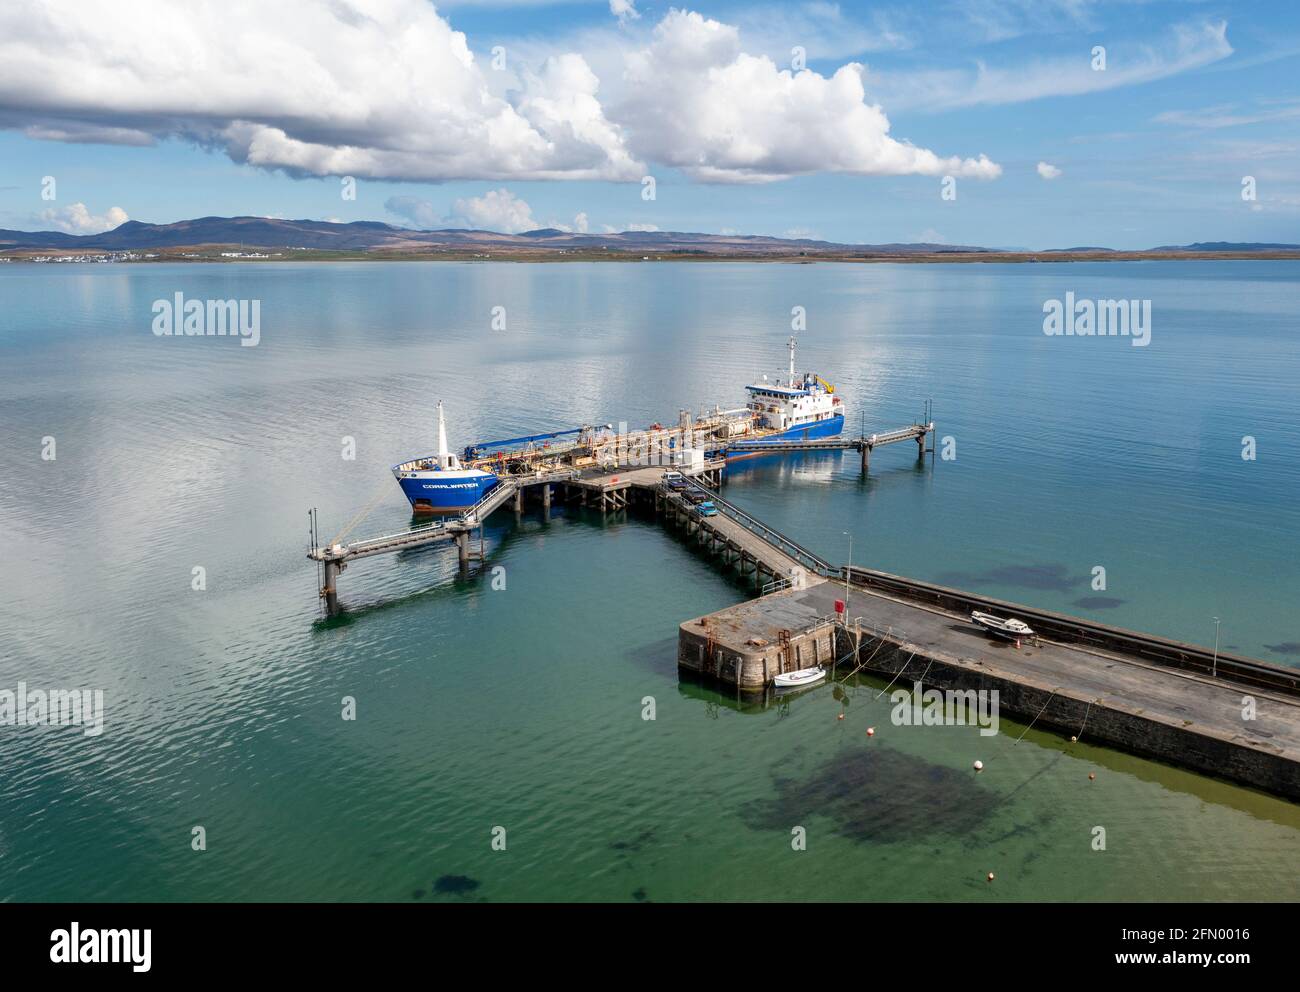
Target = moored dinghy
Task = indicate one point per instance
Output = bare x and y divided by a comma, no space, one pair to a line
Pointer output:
803,677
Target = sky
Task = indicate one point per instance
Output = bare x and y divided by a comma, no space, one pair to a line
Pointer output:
1014,124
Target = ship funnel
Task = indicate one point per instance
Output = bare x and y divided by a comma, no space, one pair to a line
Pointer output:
442,437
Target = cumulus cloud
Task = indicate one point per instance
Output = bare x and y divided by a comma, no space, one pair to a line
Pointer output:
381,88
387,89
701,104
1048,171
644,228
497,210
417,212
76,218
624,10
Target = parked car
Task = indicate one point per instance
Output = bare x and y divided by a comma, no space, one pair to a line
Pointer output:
695,496
680,486
670,477
707,509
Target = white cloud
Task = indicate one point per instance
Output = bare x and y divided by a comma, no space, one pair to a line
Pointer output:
1005,19
417,212
386,89
580,224
77,219
701,104
1228,115
820,28
497,210
624,10
1048,171
370,88
1186,47
611,229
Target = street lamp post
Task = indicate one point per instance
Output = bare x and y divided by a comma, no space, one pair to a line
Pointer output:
846,579
1214,671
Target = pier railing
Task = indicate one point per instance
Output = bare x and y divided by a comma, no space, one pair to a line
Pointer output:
771,535
426,533
911,433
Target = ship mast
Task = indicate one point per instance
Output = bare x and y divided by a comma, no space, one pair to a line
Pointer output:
792,361
442,438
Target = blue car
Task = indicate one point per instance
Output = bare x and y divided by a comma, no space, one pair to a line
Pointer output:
707,509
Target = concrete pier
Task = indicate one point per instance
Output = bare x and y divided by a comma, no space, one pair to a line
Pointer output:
1103,684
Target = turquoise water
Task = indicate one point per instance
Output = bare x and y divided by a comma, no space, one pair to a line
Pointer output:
521,708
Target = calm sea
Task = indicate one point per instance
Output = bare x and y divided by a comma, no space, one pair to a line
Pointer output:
521,708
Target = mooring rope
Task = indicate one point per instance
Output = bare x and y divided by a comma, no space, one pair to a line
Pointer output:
897,674
364,512
1040,713
858,650
1079,736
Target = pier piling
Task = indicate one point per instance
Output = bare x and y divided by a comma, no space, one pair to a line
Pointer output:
330,590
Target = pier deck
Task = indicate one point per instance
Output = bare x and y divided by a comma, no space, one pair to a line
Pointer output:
731,534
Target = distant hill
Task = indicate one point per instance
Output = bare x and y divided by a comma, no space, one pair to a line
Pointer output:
1231,246
269,233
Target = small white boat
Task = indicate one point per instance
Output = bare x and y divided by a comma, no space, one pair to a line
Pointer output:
803,677
1006,627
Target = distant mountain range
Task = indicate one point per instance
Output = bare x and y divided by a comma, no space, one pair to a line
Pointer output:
373,236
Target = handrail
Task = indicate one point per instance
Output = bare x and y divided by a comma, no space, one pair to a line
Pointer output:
498,495
770,534
802,444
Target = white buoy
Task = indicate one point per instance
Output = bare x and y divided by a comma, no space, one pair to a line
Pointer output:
979,766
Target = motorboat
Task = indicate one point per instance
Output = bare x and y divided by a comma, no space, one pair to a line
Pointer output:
1008,628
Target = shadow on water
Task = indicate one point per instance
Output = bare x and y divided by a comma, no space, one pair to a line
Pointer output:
1053,577
496,541
878,796
658,656
1098,602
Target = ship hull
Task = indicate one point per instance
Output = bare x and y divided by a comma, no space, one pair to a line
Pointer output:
446,491
830,427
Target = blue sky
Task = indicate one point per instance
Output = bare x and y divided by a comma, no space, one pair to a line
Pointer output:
164,111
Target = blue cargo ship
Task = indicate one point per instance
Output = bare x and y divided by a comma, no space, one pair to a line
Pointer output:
440,483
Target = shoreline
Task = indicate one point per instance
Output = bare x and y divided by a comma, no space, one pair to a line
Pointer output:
213,254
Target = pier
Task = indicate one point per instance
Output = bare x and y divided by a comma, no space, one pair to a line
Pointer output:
863,444
1140,693
1147,695
739,539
